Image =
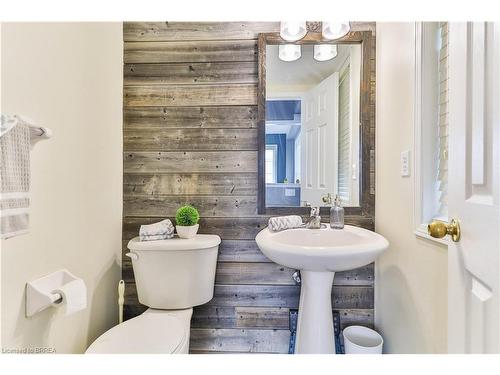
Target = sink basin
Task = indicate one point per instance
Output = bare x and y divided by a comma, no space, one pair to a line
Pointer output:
318,254
325,249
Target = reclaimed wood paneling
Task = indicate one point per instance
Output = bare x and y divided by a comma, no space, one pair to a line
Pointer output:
190,184
268,273
239,117
285,296
274,274
190,136
178,96
192,161
190,52
155,139
208,206
175,31
343,297
240,340
189,73
264,317
240,251
240,317
238,228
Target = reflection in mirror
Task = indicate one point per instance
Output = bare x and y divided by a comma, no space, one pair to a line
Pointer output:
312,125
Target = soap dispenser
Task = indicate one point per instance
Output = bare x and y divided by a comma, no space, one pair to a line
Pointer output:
337,214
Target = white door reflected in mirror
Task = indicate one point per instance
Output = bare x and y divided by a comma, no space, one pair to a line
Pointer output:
312,126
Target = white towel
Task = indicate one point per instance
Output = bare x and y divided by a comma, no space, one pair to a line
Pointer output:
284,222
157,231
7,123
14,176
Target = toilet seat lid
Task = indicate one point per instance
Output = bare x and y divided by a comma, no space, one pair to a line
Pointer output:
149,333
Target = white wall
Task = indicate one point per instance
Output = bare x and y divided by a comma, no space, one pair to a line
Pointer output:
66,76
411,277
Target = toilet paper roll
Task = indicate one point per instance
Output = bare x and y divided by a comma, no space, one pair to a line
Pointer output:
74,297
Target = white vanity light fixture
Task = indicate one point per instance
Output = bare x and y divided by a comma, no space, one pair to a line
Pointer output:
325,52
289,52
293,31
335,30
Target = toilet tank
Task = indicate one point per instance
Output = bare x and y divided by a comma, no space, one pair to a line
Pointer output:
175,273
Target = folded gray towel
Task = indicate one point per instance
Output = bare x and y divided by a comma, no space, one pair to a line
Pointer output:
157,231
285,222
156,237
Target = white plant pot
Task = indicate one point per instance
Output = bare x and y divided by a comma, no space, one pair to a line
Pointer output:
187,232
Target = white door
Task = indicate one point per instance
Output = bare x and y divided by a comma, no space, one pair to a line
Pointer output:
319,140
474,168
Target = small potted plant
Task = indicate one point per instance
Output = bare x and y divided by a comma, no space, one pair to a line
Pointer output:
186,219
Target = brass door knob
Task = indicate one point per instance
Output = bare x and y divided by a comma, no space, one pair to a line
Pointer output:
439,229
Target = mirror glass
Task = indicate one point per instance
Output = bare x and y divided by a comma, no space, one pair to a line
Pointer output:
312,124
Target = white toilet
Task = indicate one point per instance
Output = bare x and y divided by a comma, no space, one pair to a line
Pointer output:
171,277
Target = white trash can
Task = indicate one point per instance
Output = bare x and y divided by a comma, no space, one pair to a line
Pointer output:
362,340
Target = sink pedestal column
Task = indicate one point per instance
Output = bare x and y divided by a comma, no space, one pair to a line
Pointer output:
315,334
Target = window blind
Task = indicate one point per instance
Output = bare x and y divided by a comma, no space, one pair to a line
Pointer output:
443,124
344,141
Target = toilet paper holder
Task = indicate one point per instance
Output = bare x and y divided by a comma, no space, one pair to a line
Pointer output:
40,293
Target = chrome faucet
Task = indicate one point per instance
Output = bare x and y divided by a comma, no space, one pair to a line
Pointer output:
315,221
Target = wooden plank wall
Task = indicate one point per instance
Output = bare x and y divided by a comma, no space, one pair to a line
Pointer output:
190,117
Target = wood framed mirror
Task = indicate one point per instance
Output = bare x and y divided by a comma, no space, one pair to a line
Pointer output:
287,126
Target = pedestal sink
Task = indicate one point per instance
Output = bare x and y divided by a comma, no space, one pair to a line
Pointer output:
318,254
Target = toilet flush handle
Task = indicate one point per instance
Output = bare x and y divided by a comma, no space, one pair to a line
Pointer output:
132,256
